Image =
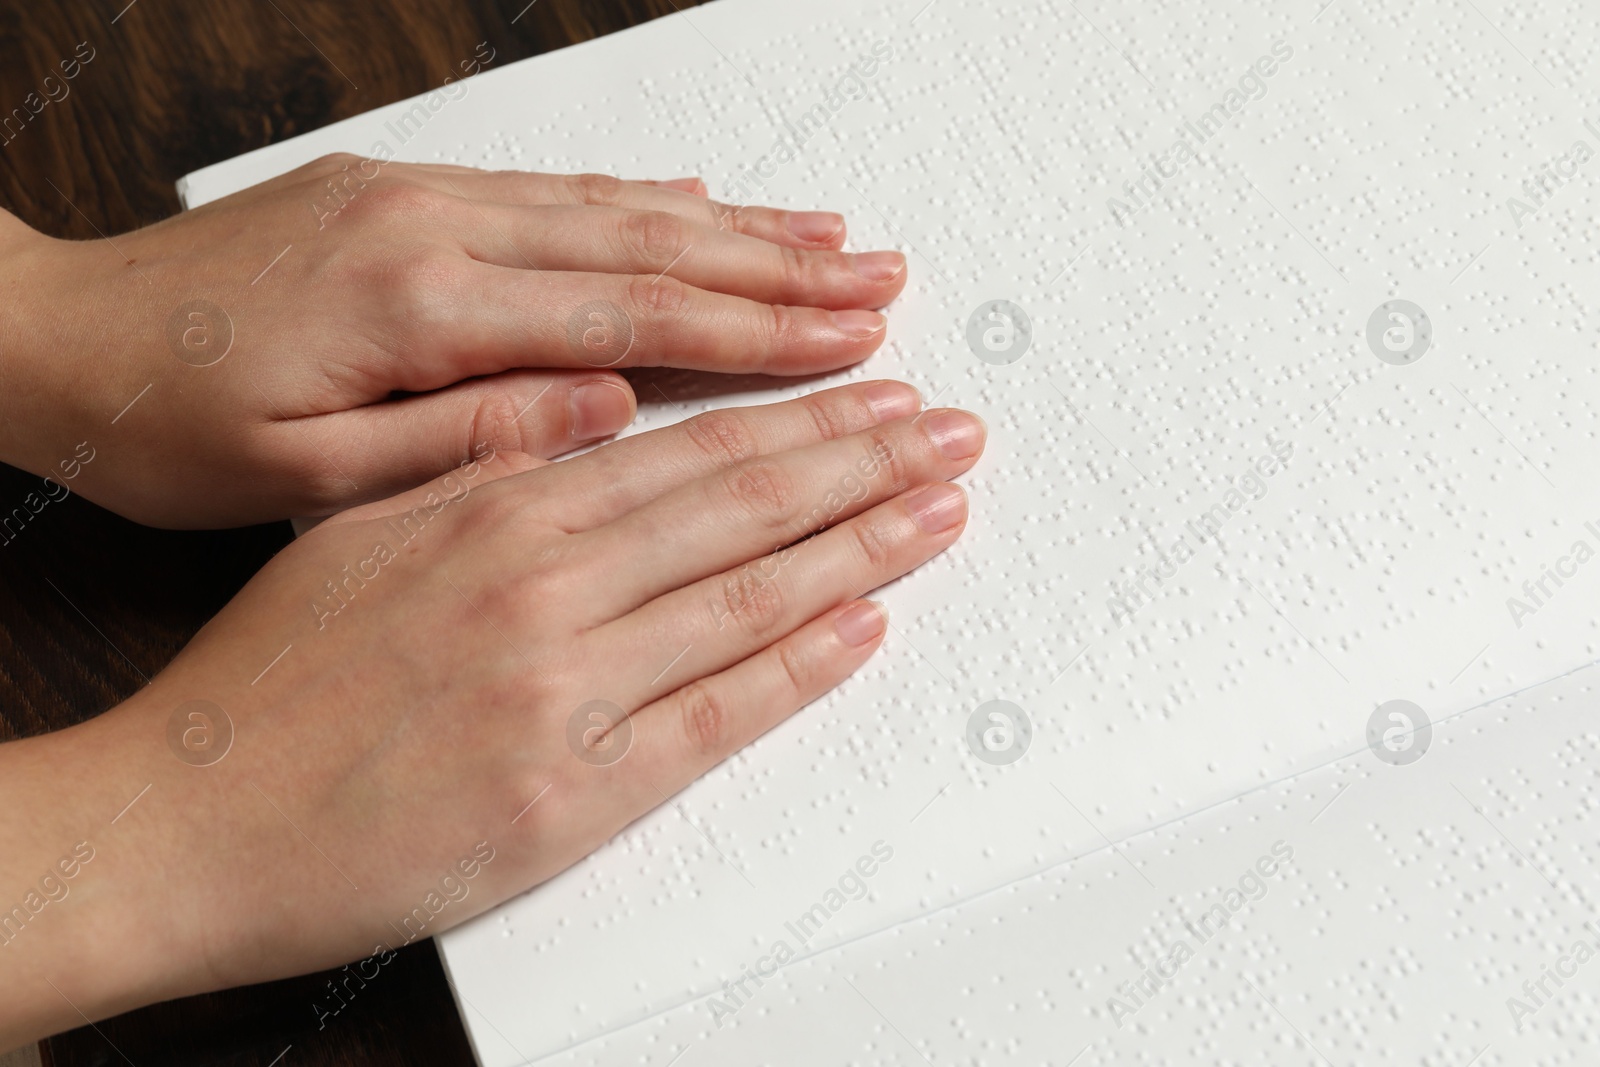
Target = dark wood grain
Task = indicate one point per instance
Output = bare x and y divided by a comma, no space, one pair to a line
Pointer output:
91,605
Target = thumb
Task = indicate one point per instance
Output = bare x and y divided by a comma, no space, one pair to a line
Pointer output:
392,446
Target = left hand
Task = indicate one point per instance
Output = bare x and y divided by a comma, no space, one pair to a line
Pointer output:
354,328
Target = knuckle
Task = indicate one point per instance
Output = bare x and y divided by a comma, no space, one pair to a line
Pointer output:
830,421
764,491
706,723
421,287
651,237
545,580
333,162
801,272
796,668
875,542
602,190
890,459
723,436
495,425
398,199
724,217
494,508
752,600
661,296
779,323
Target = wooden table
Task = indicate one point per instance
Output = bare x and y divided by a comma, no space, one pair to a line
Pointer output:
92,605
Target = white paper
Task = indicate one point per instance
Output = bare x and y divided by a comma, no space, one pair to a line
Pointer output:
1385,158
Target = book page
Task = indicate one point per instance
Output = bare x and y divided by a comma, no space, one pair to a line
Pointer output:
1281,317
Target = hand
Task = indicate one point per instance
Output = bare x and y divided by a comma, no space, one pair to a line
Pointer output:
491,674
351,329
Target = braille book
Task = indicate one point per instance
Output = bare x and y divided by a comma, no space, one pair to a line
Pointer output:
1251,721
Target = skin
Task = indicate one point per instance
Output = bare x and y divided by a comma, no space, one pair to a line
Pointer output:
366,761
417,312
410,690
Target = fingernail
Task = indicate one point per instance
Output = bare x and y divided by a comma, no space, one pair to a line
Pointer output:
861,622
878,266
937,507
858,323
815,226
956,434
597,409
686,185
892,400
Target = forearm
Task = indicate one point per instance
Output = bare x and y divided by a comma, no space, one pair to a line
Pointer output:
77,930
36,373
87,909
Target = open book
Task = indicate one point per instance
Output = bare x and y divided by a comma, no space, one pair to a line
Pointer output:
1247,723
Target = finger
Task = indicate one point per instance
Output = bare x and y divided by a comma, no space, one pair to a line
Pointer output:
798,229
697,186
425,171
384,448
680,737
434,168
501,318
611,481
328,173
475,472
624,241
720,620
762,504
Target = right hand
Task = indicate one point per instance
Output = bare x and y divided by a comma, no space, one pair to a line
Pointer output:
422,711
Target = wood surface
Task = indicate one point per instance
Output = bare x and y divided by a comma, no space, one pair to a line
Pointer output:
91,606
